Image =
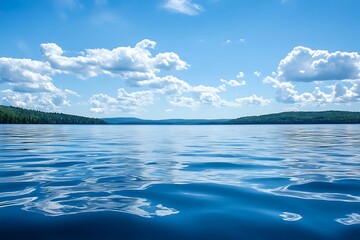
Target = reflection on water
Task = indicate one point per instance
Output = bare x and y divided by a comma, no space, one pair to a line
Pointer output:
60,170
352,218
287,216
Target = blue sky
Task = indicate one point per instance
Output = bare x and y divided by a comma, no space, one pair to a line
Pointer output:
160,59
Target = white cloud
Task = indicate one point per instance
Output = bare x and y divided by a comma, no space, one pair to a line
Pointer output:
41,101
168,84
240,75
71,92
123,102
183,6
286,93
38,86
169,61
306,65
102,103
211,98
233,83
31,85
24,70
252,100
202,88
208,95
185,102
257,73
130,63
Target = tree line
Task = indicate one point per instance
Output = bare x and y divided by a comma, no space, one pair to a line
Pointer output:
323,117
17,115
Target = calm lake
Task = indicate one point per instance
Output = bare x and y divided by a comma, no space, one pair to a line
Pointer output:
179,182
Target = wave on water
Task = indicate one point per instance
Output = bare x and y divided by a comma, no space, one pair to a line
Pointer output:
254,175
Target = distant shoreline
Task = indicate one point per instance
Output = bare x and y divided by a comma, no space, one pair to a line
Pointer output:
321,117
16,115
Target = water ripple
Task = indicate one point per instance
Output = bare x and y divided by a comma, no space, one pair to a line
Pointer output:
246,172
353,218
287,216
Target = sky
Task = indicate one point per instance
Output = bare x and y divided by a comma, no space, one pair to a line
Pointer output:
161,59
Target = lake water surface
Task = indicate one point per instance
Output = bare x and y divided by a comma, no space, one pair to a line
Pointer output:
180,182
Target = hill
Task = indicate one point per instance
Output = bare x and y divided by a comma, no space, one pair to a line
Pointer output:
16,115
324,117
165,121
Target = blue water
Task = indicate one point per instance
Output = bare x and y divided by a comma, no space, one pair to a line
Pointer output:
180,182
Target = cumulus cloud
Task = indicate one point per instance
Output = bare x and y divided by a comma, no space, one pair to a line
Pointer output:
168,84
183,6
306,65
30,82
286,93
41,101
135,65
27,70
185,102
233,83
129,63
210,96
178,92
124,101
251,100
169,61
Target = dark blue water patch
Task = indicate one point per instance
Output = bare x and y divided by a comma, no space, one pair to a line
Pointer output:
348,186
151,163
196,166
4,150
16,156
15,186
62,164
336,154
63,183
237,156
206,211
55,164
11,173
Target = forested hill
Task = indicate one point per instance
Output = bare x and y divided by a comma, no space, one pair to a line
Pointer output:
325,117
18,115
